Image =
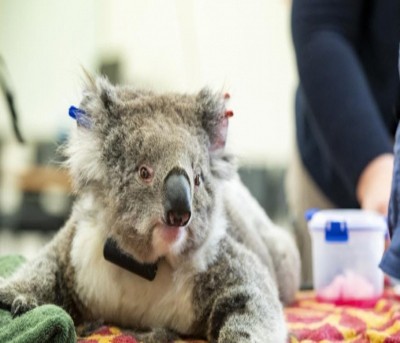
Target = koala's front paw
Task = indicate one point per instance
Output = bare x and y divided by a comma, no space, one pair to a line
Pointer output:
23,303
155,335
88,328
15,302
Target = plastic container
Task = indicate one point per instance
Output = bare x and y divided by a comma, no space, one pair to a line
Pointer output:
347,246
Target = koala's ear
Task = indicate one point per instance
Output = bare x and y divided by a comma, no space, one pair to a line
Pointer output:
93,117
99,97
214,118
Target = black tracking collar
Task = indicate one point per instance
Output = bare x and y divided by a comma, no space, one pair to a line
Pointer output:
114,254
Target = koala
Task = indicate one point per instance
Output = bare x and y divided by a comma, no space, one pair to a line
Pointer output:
163,238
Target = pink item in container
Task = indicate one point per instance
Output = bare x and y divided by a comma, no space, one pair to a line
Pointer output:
348,287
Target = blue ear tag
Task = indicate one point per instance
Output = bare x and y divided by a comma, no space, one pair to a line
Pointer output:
80,117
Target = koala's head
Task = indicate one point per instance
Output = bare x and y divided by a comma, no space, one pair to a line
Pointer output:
153,162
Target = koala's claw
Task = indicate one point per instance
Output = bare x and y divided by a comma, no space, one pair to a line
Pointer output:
22,304
16,302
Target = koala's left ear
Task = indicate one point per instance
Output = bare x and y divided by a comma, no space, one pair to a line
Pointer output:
214,117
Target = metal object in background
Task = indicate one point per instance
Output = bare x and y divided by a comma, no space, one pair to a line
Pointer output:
9,96
267,186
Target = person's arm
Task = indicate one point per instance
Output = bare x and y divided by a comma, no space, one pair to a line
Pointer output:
343,108
373,188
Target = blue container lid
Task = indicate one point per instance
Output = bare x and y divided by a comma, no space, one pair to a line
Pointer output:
353,219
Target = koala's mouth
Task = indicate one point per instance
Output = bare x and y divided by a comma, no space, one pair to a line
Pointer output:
158,241
168,239
171,234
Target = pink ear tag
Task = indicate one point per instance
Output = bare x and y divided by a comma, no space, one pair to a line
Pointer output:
222,130
228,113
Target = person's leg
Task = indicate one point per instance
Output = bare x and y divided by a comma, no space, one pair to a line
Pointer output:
302,194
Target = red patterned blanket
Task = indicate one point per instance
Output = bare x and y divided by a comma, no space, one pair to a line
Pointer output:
310,321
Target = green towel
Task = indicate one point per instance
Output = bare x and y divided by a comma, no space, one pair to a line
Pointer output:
47,323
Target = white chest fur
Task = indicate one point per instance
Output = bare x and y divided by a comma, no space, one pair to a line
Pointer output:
120,297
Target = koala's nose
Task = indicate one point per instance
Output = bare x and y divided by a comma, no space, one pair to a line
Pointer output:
177,198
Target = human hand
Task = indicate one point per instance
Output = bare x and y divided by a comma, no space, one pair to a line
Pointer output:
374,184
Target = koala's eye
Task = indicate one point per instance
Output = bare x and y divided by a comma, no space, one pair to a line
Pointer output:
145,173
197,180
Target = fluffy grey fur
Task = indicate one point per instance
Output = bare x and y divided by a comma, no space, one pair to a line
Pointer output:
227,269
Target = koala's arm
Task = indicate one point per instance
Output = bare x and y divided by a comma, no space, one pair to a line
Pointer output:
42,280
238,299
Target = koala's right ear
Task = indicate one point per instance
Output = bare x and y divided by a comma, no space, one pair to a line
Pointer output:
84,146
99,99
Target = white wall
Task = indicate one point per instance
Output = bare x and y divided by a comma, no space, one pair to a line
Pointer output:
241,46
44,43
